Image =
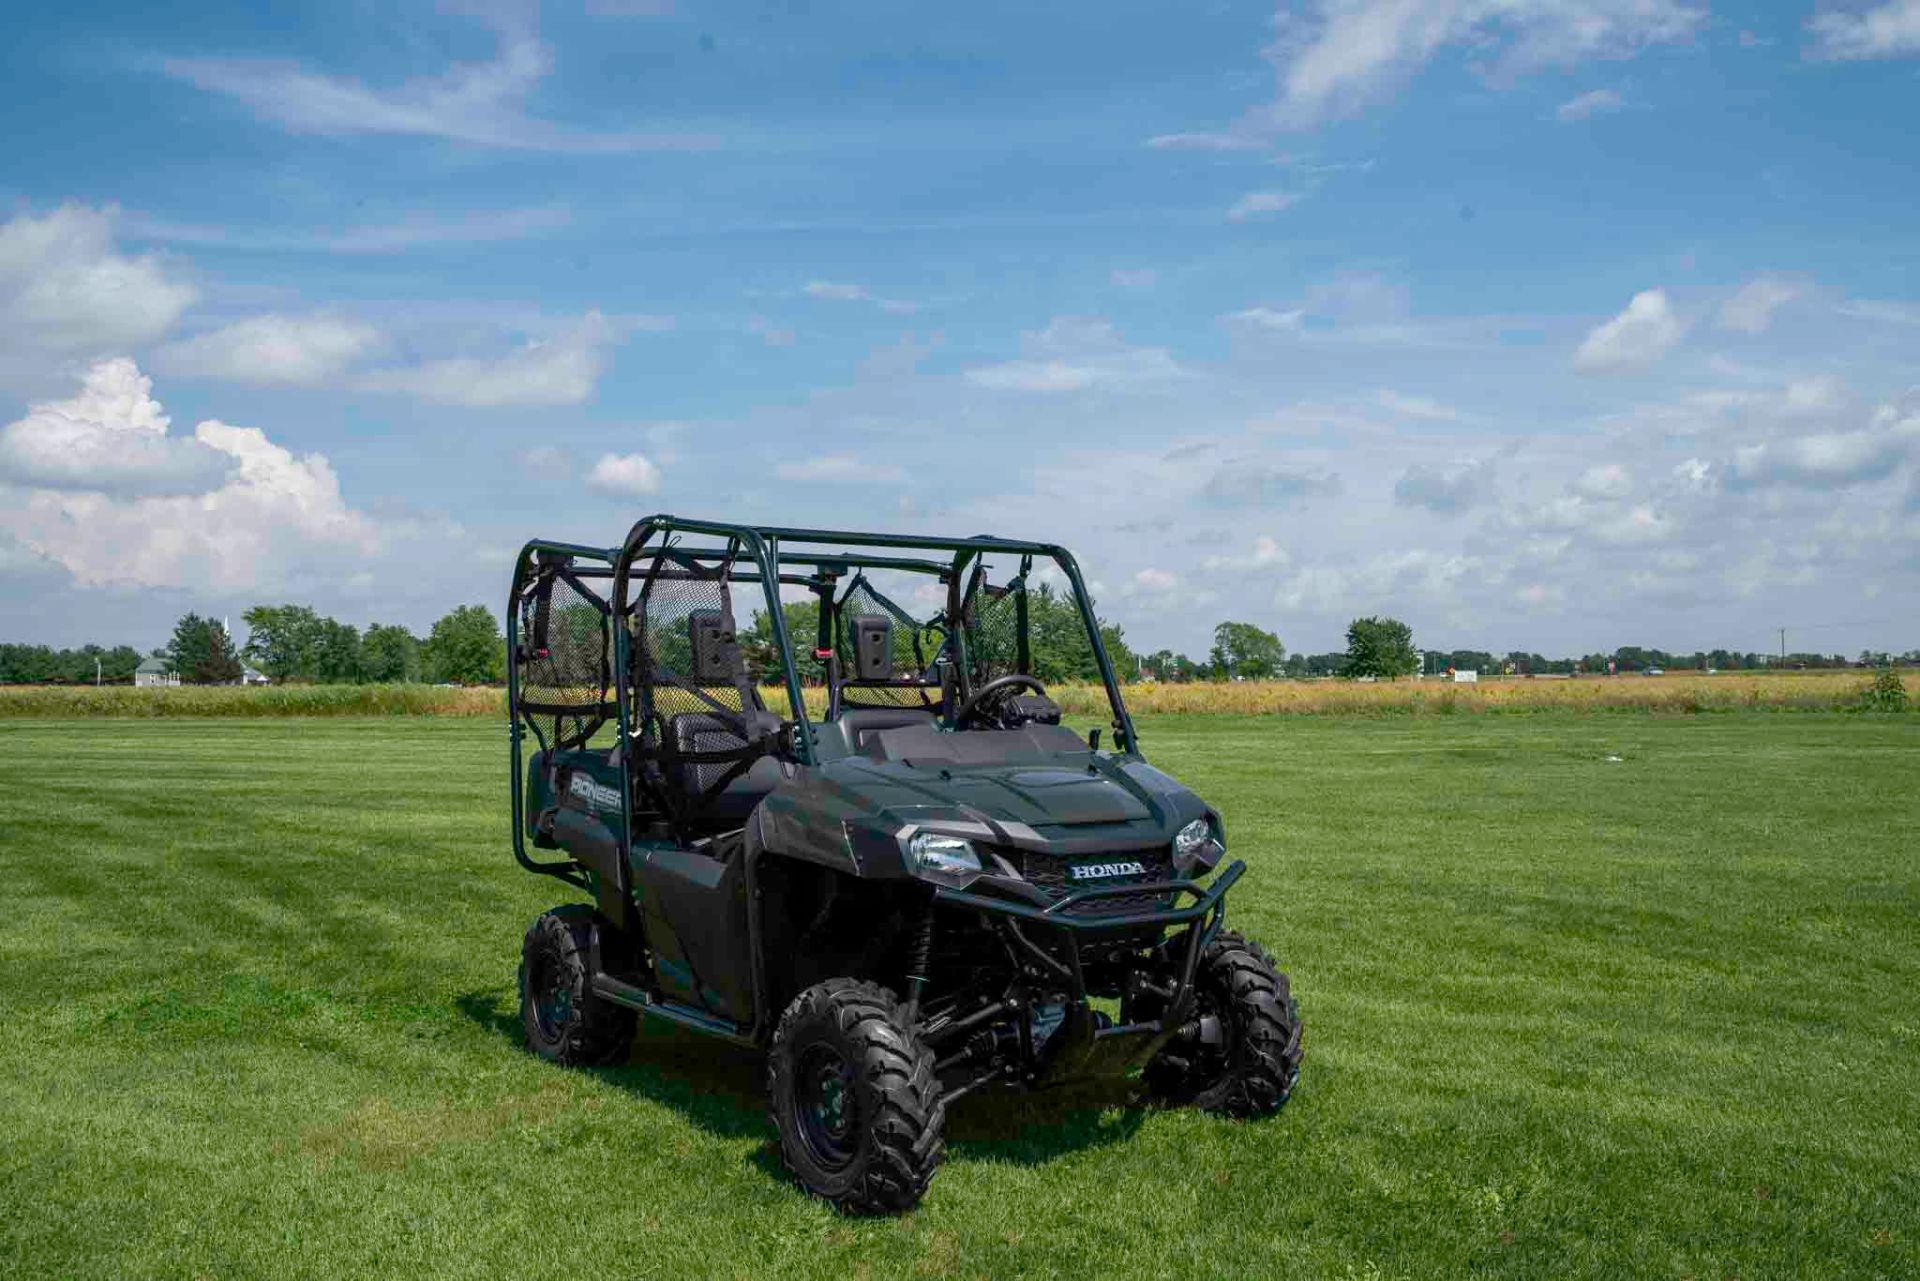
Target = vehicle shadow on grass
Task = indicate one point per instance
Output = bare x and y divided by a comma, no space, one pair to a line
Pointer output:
719,1088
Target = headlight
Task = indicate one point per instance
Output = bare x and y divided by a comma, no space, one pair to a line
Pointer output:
1196,846
946,859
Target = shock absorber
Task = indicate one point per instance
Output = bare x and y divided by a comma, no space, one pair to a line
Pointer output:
919,962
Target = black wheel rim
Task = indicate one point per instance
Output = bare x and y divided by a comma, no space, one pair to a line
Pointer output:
826,1106
1211,1060
550,994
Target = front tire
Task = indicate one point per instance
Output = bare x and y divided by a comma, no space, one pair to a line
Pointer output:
852,1093
1242,1057
564,1020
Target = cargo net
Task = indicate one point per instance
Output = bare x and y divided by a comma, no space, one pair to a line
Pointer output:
566,676
915,647
993,623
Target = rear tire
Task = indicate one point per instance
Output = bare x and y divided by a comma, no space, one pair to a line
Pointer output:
1250,1067
563,1019
852,1093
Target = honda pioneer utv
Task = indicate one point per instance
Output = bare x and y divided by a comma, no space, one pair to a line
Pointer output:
921,885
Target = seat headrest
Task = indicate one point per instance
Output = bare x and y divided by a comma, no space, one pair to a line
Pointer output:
872,647
714,655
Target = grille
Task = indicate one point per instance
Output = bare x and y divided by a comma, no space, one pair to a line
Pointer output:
1049,873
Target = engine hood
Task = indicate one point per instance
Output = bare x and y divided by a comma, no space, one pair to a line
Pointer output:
1039,789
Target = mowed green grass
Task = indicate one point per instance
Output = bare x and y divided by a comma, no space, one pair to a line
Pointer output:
1566,1015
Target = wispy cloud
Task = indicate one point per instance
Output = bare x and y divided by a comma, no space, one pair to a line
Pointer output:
288,351
1881,309
561,370
1207,142
1751,310
1341,55
840,469
480,103
1076,354
1587,105
835,291
1261,204
1887,30
414,231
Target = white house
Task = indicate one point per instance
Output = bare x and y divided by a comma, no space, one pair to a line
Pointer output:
155,671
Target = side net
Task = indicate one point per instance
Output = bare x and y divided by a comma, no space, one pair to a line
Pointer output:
566,672
993,626
915,645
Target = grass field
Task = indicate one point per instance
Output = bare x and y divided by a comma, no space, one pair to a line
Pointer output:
1678,692
1567,1016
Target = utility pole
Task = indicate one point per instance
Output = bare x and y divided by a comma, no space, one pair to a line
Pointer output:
1783,647
96,669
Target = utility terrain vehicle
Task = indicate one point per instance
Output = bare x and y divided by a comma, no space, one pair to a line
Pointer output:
921,885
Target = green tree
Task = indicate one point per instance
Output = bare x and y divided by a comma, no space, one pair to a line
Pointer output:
389,653
336,656
283,640
1381,648
1243,650
466,648
803,632
203,653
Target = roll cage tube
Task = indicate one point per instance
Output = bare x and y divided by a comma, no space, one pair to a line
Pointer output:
767,546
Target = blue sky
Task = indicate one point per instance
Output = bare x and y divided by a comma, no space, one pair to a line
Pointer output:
1538,324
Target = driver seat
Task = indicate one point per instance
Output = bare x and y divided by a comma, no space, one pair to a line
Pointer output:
862,723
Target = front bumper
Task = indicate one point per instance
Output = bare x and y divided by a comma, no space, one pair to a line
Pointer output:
1084,1046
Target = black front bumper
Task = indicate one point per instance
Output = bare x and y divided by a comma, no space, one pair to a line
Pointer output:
1083,1047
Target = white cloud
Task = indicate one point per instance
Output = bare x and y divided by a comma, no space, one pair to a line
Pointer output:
1133,277
1155,580
1206,142
560,370
1883,310
291,351
1634,339
1588,105
416,231
1077,354
1751,310
1267,553
840,469
111,437
268,520
1242,482
1259,204
1829,460
836,291
1890,29
1604,481
1422,407
480,103
1271,318
1344,54
624,475
1447,489
65,293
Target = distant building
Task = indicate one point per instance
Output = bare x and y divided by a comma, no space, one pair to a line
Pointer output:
155,671
250,677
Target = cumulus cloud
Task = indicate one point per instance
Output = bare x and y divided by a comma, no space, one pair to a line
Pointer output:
1751,310
1260,204
288,351
478,103
1890,29
1635,339
1337,56
1077,354
560,370
1447,489
1588,105
1827,460
624,475
267,518
110,437
66,293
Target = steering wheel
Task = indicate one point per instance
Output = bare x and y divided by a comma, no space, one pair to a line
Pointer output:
993,693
